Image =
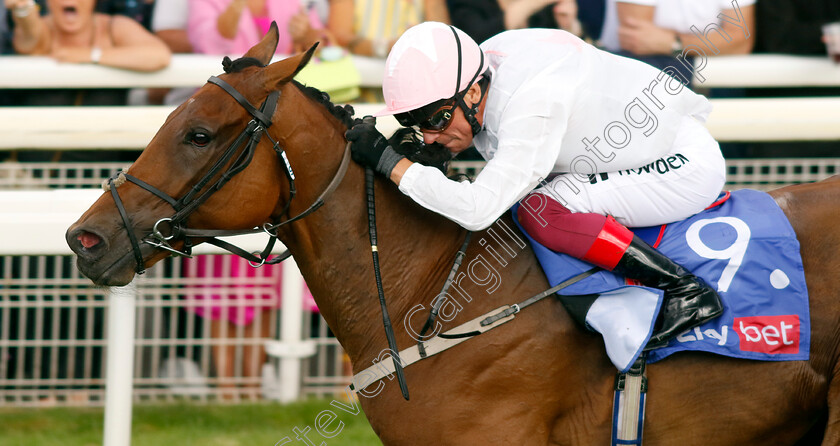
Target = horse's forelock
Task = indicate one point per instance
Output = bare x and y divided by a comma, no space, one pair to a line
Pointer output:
235,66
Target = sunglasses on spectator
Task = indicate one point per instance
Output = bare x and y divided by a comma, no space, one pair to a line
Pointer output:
434,117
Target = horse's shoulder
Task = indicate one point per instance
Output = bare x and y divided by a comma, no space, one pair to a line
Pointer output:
791,198
813,209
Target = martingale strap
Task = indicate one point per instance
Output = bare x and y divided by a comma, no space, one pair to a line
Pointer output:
459,258
432,347
455,336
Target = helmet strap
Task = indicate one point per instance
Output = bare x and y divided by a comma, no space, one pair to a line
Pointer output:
469,112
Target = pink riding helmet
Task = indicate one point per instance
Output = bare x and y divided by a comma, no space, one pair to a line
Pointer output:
422,67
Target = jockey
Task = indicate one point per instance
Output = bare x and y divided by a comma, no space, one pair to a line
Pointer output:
588,142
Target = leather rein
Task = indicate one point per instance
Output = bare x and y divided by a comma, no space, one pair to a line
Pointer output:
169,229
176,229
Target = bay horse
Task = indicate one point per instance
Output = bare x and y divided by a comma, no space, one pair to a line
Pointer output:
537,380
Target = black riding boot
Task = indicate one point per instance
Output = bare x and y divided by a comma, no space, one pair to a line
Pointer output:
689,301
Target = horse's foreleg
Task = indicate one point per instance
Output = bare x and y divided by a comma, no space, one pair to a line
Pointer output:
831,436
816,434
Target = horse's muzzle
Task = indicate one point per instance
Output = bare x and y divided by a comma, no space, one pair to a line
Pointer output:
85,244
95,259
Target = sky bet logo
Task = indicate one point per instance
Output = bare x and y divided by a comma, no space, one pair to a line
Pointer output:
768,334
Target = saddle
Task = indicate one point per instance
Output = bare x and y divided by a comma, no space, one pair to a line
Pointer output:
744,247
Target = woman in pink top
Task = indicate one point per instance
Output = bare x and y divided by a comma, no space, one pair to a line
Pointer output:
236,300
231,27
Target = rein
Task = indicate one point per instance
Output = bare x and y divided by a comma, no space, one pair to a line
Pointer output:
173,228
439,341
203,189
386,319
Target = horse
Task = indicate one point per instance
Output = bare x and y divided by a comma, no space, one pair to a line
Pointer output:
537,380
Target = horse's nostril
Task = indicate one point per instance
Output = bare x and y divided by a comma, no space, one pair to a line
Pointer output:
88,240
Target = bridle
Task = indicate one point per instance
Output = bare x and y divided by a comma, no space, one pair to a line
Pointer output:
201,191
169,229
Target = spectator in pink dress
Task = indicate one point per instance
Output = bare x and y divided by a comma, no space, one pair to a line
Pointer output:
247,282
234,296
237,300
231,27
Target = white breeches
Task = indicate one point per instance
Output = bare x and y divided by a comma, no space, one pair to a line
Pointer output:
678,185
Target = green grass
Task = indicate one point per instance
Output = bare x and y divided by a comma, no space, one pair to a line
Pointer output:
185,425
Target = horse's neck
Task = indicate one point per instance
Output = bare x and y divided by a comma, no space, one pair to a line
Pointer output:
332,249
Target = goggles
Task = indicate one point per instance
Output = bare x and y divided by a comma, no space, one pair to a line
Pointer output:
434,117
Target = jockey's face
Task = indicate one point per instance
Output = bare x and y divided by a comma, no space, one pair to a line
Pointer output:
458,136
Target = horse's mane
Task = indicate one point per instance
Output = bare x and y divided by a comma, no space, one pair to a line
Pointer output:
342,113
405,141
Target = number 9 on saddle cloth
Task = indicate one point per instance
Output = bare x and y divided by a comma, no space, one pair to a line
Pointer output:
744,247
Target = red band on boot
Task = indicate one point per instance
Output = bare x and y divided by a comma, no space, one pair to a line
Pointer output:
610,244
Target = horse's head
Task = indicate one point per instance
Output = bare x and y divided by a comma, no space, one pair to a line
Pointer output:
172,196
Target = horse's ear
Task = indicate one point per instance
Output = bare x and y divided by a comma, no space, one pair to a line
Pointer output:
285,70
264,50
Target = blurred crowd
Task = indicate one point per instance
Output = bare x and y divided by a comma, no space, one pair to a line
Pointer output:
141,34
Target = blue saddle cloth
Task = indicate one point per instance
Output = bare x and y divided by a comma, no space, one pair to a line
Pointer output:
746,249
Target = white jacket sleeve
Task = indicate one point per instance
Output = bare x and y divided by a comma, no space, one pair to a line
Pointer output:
531,131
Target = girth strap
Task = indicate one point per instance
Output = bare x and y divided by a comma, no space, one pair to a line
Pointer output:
629,405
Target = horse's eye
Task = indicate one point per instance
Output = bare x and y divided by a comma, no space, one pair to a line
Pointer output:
199,139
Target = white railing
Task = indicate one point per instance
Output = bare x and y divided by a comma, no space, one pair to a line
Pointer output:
34,222
755,173
192,70
766,70
804,119
129,128
185,70
133,127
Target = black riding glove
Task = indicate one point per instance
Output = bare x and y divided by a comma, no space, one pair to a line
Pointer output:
370,148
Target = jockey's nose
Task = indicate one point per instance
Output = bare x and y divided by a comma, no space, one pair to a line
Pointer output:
429,138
